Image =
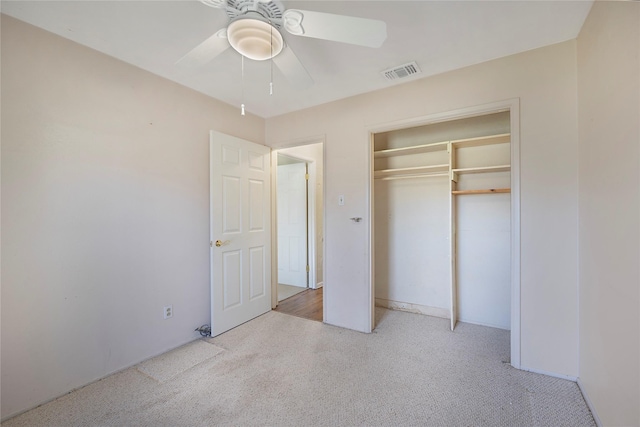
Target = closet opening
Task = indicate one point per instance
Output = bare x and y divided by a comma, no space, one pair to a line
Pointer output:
445,218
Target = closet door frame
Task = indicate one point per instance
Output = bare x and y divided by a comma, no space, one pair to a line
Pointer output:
511,105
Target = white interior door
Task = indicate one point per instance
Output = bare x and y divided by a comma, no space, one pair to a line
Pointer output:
240,231
292,224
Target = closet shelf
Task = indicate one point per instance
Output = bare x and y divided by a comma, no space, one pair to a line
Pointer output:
416,149
484,191
415,175
484,169
420,170
503,138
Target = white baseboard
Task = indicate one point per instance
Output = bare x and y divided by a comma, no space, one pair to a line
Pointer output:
319,285
488,325
589,403
550,374
413,308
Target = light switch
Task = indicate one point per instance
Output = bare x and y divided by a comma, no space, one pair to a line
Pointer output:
341,200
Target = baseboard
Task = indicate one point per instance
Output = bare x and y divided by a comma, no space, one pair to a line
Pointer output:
413,308
550,374
488,325
319,285
589,403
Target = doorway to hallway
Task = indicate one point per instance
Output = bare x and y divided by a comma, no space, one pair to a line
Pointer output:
299,236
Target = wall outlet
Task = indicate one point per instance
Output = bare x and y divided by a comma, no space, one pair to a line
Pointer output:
168,312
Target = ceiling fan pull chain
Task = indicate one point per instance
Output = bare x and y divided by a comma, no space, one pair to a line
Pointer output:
271,63
242,84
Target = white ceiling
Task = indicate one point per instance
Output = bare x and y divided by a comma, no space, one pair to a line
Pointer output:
439,35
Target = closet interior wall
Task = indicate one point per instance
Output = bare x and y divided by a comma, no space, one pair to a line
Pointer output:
439,253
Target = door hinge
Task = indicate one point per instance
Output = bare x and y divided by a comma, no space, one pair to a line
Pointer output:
308,268
306,176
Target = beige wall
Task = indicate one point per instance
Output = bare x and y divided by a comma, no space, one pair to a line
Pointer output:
545,81
609,227
105,213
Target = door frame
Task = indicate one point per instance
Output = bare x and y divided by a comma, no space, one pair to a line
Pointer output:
311,204
511,105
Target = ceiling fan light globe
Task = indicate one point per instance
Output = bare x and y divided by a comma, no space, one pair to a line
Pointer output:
255,39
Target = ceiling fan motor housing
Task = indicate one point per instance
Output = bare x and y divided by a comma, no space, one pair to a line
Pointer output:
254,37
271,10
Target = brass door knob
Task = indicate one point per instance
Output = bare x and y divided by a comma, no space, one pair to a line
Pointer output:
218,243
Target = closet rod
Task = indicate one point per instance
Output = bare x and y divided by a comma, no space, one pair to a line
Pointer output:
487,191
422,175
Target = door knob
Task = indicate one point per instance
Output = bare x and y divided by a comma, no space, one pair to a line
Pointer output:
220,243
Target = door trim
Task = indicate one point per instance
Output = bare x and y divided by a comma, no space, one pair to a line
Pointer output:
511,105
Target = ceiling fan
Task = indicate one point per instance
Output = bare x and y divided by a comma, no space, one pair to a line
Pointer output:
255,31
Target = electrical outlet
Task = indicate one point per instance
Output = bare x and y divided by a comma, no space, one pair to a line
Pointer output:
168,312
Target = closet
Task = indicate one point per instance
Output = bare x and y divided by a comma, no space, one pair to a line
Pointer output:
442,219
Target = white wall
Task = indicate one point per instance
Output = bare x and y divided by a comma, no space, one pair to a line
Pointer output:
412,243
609,216
484,240
545,81
105,207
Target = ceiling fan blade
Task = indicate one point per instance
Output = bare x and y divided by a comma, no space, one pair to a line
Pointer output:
337,28
207,50
292,68
218,4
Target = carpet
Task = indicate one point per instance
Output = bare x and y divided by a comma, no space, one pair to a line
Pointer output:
280,370
171,364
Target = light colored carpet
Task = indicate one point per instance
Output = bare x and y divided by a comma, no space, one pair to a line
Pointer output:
175,362
287,291
280,370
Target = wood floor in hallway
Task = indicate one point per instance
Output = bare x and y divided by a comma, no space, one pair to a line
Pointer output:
306,304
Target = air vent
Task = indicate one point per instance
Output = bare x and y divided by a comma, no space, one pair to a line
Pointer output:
402,71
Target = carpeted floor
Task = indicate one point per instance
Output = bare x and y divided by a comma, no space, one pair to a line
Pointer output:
280,370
